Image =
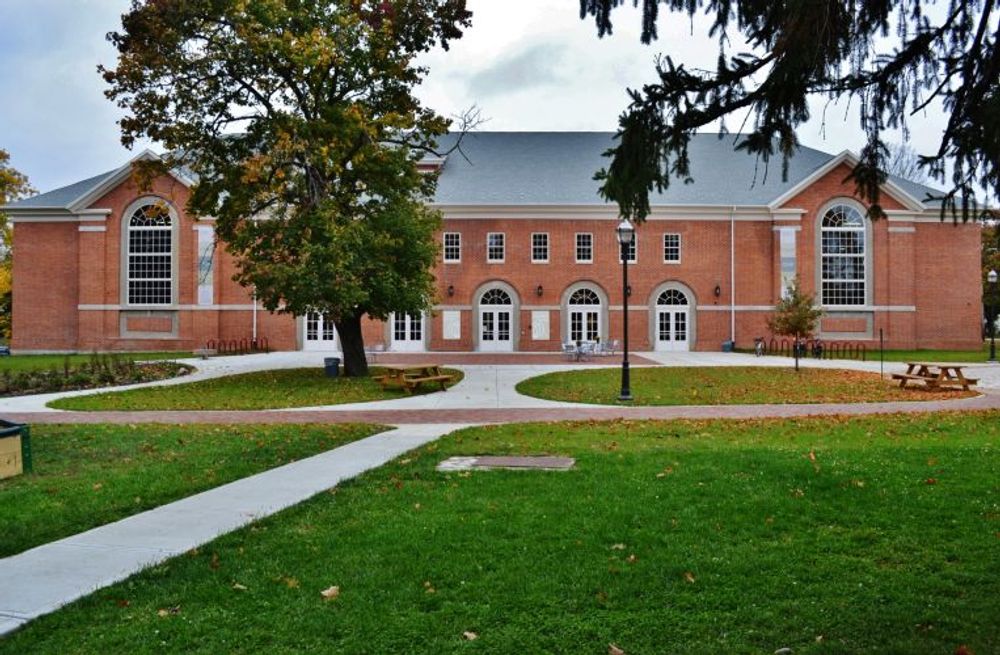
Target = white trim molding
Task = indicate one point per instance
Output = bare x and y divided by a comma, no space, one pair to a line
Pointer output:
849,158
92,228
602,212
902,230
51,216
191,308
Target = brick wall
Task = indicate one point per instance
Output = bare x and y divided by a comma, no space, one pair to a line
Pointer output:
925,282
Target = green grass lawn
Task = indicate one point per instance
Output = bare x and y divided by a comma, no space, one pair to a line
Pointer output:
736,385
980,355
877,535
297,387
88,475
44,362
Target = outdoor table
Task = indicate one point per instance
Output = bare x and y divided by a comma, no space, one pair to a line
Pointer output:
935,376
411,376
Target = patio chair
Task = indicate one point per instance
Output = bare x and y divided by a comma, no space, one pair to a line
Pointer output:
569,350
610,347
587,350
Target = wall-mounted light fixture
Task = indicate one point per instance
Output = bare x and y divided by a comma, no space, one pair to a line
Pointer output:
628,290
451,290
718,291
539,291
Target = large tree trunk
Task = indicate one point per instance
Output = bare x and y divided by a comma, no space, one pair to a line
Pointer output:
353,346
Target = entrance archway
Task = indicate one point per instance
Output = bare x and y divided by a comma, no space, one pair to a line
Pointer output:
496,321
672,320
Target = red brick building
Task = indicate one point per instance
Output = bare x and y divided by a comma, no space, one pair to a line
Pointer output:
529,259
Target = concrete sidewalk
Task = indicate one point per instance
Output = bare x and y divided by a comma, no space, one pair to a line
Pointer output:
41,580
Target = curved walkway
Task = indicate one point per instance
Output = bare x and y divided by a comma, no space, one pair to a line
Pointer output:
487,394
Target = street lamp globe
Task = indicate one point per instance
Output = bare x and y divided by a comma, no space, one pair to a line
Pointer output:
991,277
626,233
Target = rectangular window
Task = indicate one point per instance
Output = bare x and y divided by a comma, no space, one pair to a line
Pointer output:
671,249
452,246
495,247
632,250
584,248
540,247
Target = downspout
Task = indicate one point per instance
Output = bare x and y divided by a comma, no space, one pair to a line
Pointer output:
255,314
732,274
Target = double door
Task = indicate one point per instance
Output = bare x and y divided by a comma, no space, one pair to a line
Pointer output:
671,329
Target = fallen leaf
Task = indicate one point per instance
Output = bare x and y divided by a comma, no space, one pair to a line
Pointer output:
98,486
291,583
162,612
689,577
631,558
614,650
121,602
930,481
330,593
618,547
468,635
416,506
214,564
238,587
964,650
428,587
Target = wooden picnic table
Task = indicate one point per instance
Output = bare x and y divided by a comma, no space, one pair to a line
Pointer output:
411,376
935,376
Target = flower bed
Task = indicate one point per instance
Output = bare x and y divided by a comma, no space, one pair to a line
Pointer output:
99,371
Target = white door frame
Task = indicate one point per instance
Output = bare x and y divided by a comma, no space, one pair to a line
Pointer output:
679,318
672,343
324,333
408,344
495,314
585,312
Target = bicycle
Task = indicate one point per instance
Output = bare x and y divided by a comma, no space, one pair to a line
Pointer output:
758,346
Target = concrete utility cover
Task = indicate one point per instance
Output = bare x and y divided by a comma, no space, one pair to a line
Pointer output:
485,462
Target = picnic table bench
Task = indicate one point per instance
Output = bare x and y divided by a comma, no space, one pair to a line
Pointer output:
935,376
411,376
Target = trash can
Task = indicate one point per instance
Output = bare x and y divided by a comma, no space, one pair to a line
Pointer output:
332,366
15,449
727,346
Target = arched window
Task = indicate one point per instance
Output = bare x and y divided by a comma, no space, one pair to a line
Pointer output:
672,297
496,297
584,297
149,266
844,252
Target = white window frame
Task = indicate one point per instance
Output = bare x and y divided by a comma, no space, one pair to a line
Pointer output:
576,247
533,246
865,256
679,242
126,252
503,248
445,246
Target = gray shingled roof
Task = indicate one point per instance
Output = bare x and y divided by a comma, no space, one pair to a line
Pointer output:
557,168
64,196
542,168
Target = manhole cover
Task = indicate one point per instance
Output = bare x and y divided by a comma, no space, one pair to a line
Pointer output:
484,462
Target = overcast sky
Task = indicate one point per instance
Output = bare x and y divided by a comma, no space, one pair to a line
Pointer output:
527,64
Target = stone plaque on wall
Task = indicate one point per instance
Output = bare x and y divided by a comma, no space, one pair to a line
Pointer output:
451,325
540,325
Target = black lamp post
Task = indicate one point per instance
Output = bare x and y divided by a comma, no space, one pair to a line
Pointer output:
991,277
626,234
